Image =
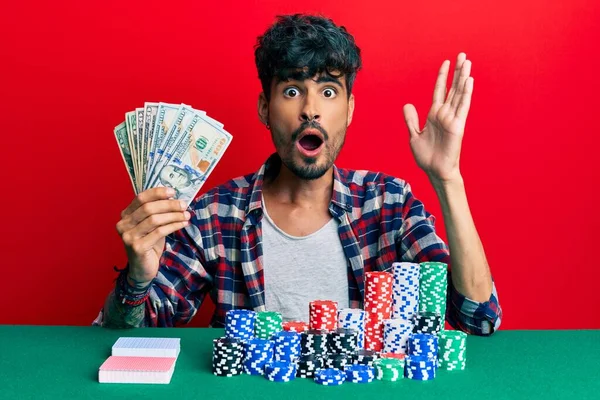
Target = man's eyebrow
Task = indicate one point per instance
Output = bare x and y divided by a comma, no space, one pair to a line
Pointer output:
329,78
320,79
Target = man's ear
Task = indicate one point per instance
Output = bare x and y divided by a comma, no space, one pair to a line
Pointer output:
263,108
350,109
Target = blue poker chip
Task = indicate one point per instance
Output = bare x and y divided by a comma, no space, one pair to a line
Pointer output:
280,371
359,373
330,376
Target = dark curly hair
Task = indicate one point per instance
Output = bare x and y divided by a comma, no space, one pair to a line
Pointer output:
301,46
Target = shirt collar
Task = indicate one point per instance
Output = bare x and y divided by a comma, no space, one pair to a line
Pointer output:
340,198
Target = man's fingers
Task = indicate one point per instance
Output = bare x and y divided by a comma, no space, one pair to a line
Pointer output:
439,92
162,231
412,119
161,193
155,221
465,72
459,63
155,207
465,100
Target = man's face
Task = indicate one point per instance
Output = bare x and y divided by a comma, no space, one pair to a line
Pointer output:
308,122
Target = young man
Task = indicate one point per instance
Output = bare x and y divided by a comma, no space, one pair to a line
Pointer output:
301,229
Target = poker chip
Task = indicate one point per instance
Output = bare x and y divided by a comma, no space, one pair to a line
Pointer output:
395,335
433,286
280,371
420,368
330,376
389,369
359,373
323,315
258,352
286,346
378,293
228,356
240,324
353,318
378,306
364,357
405,290
295,326
313,341
398,356
267,323
338,361
423,344
452,353
308,364
343,341
428,322
374,332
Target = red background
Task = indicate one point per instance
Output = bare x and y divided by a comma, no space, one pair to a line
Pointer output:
71,69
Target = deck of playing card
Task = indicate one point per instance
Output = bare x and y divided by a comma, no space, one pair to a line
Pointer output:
140,360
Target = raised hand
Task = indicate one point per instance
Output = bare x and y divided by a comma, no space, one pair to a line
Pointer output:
436,147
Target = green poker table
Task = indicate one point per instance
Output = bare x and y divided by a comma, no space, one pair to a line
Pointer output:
61,362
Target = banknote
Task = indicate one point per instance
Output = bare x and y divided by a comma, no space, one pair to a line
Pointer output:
200,148
170,145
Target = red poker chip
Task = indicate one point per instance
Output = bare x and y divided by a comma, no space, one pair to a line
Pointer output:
398,356
323,315
295,326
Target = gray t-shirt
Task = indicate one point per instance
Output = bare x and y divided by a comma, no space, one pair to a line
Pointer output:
298,270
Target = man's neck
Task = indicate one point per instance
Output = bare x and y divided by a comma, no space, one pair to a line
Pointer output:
287,188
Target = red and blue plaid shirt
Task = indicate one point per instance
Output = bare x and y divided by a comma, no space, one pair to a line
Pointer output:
220,252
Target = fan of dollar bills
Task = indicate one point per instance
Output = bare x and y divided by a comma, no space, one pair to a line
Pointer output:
170,145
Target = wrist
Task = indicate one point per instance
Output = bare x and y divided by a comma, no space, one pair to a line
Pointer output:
137,285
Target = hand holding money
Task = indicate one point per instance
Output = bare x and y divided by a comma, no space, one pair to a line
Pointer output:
169,151
144,224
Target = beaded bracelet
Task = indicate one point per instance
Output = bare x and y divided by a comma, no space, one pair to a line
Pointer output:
125,292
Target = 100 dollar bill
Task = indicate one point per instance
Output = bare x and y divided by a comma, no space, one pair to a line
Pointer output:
201,146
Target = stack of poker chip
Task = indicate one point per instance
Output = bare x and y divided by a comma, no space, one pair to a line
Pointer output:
423,344
420,368
359,373
378,306
330,376
313,342
258,352
433,287
344,341
353,318
286,346
240,324
428,322
267,323
295,326
308,365
405,290
395,335
323,315
365,357
228,356
389,369
280,371
452,353
337,360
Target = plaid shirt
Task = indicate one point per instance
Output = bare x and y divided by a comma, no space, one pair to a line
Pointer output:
220,252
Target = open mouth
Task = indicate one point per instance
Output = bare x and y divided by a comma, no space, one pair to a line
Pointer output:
310,142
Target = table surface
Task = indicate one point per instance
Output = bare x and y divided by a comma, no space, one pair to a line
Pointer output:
51,362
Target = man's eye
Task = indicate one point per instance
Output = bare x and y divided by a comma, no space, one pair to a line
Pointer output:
329,93
291,92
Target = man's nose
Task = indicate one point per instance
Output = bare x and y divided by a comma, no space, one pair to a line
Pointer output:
310,110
